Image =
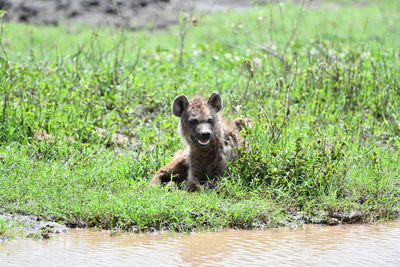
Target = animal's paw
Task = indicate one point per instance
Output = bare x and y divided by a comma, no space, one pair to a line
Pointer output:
157,178
192,186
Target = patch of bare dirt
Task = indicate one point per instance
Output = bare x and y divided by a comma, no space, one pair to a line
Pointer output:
133,14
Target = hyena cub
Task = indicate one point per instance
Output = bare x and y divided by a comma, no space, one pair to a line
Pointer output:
210,140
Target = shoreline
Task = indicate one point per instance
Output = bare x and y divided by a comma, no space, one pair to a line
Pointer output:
32,226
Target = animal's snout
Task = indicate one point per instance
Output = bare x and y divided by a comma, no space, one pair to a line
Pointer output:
205,135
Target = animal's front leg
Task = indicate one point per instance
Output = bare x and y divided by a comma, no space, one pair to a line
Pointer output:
192,183
177,170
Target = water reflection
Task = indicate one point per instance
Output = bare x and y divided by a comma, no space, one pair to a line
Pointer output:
312,246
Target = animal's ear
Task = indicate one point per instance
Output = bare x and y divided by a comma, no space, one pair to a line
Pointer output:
215,101
179,105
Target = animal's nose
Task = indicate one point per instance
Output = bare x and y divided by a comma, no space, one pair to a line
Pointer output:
205,135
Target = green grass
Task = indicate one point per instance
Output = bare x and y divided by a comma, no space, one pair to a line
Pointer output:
337,151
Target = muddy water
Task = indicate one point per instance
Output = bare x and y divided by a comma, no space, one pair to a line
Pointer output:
359,245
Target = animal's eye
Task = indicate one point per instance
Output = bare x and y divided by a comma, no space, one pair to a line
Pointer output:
210,121
193,122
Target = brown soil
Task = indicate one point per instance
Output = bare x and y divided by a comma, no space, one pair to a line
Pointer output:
133,14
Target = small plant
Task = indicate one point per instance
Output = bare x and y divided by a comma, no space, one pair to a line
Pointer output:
185,23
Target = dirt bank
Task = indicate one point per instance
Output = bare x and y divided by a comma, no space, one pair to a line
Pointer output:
127,13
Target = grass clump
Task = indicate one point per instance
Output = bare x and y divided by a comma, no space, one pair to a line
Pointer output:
9,230
86,118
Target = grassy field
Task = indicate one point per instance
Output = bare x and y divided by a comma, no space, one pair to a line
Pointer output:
320,82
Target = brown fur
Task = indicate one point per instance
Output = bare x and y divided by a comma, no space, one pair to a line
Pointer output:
201,163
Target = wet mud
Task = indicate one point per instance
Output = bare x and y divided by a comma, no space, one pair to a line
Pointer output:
31,226
40,227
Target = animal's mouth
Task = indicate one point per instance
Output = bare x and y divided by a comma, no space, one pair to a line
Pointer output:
201,142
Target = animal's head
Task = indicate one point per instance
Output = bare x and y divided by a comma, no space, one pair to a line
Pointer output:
199,123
